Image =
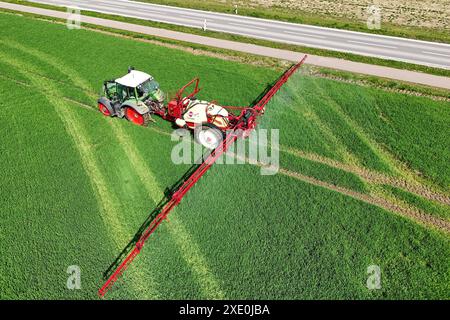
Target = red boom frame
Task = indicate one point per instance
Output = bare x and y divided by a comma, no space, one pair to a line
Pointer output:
246,121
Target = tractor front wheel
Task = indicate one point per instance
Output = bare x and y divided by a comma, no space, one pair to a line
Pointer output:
137,118
104,110
208,135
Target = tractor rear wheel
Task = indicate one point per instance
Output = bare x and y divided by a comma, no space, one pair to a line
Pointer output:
104,110
137,118
208,135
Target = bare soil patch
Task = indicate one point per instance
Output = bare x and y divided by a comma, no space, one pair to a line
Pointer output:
425,13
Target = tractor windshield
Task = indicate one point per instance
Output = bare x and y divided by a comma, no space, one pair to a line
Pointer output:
147,87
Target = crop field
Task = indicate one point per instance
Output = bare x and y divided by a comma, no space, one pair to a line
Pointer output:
364,180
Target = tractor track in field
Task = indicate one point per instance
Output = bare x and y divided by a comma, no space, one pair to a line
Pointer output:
368,175
78,103
391,206
341,149
107,205
408,212
407,180
371,176
356,131
396,165
188,247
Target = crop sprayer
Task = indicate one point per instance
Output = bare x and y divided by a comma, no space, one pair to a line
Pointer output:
137,96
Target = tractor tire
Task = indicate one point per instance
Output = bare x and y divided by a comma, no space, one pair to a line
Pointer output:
137,118
104,110
208,135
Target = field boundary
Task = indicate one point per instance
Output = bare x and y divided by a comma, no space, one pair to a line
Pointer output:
360,81
332,63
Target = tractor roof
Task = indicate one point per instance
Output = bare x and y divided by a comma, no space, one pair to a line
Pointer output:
134,78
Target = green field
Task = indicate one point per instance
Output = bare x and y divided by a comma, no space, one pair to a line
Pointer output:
364,180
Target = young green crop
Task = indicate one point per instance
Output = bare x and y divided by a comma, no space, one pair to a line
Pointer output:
392,133
280,238
77,185
413,129
49,215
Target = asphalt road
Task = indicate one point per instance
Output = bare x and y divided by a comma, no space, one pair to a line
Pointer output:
400,49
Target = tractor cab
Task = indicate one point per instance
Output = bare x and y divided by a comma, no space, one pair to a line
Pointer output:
115,92
136,85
